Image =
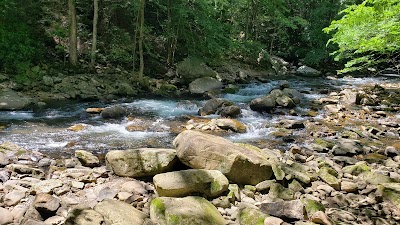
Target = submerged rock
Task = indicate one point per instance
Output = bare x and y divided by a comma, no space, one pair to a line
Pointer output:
212,183
11,100
141,162
239,164
188,210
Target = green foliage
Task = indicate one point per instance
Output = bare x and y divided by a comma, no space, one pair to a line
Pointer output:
367,34
20,37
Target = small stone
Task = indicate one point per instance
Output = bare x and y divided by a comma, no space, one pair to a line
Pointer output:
122,196
13,197
320,218
77,127
4,160
94,110
349,186
47,186
289,209
271,220
264,185
222,202
77,184
87,158
6,216
134,187
54,220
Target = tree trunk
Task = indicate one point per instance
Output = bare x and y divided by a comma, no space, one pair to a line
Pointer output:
94,35
141,34
73,40
170,41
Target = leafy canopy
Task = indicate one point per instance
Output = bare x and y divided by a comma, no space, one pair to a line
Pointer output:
368,34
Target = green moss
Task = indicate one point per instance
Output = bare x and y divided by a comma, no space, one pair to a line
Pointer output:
324,143
215,186
251,216
174,219
158,205
312,207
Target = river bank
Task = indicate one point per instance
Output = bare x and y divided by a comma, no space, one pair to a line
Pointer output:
333,159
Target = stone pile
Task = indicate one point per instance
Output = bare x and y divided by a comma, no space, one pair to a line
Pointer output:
338,175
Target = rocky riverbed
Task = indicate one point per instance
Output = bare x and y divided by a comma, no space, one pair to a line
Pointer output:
339,165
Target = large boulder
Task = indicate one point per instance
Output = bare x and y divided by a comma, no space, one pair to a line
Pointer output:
204,84
308,71
117,212
114,112
10,100
239,164
191,68
214,105
263,104
141,162
185,182
188,210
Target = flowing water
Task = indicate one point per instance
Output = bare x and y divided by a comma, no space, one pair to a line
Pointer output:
46,130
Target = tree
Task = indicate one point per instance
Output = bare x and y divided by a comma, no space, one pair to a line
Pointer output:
367,35
73,40
94,33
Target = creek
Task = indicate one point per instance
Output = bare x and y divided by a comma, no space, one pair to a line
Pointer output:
45,129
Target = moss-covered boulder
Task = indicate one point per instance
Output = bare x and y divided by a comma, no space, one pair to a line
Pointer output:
192,68
141,162
186,182
328,176
204,84
188,210
277,191
240,165
356,169
250,215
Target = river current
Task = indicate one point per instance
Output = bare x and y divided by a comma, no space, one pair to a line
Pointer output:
45,129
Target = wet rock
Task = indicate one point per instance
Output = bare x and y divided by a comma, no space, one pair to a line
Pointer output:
87,158
204,84
263,104
94,110
84,216
188,210
214,105
6,216
141,162
231,111
117,212
250,215
11,100
308,71
285,209
231,124
114,112
240,165
212,183
77,127
291,124
285,101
